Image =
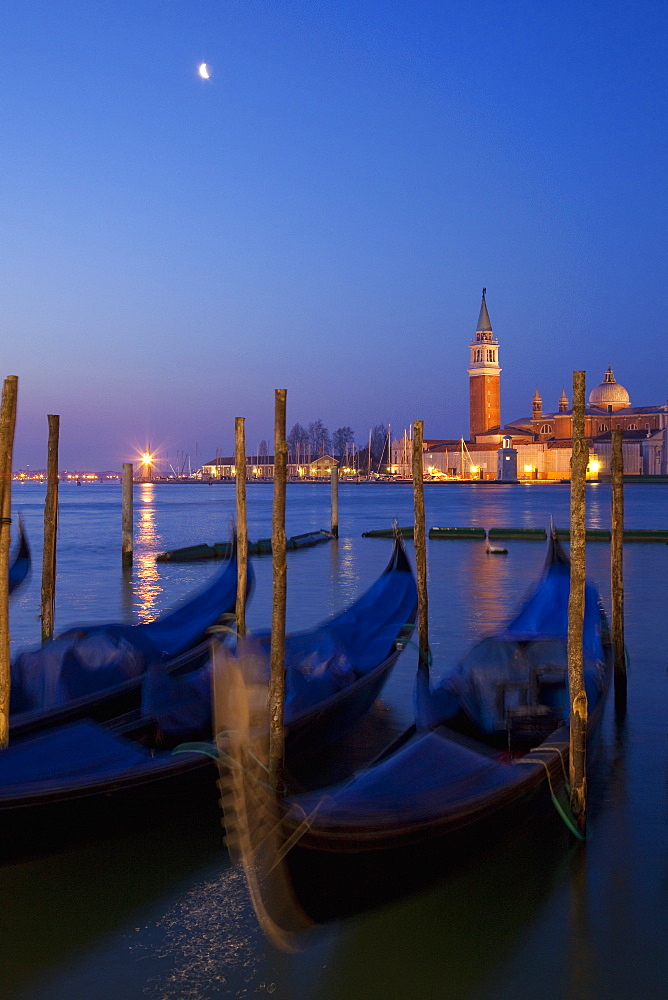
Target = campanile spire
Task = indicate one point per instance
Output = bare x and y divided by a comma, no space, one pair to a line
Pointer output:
484,375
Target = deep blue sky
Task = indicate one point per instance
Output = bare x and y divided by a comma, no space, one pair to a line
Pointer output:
322,214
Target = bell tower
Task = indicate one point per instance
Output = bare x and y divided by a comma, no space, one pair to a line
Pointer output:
484,376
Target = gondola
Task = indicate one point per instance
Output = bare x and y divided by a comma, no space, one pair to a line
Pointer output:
96,671
85,777
488,742
334,672
20,567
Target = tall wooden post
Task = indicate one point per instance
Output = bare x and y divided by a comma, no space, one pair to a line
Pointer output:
279,597
617,569
7,425
578,697
127,526
50,531
335,501
420,543
242,523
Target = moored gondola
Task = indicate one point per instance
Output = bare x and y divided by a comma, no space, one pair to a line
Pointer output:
490,741
96,671
334,672
21,564
84,777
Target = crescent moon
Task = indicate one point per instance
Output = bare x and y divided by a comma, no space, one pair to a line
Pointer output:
203,71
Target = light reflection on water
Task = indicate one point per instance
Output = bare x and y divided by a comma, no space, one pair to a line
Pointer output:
502,928
148,586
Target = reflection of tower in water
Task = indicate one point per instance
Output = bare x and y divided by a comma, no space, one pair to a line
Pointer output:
147,579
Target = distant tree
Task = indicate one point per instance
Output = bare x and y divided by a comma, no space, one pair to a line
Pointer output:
262,449
342,439
298,440
319,438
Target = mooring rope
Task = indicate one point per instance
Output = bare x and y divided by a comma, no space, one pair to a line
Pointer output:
555,802
558,750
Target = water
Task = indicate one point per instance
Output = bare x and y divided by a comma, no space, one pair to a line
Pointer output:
162,915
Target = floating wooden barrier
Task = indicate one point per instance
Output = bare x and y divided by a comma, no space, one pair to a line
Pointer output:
433,533
520,534
389,533
195,552
642,535
221,550
526,534
456,532
591,534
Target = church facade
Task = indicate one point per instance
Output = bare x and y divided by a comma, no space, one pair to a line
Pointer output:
539,446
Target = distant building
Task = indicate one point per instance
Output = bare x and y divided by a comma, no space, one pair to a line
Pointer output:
225,468
539,446
544,440
484,376
263,468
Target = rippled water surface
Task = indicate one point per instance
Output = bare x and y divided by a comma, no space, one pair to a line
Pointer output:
161,914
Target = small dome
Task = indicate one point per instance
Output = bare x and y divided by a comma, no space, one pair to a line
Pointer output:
609,393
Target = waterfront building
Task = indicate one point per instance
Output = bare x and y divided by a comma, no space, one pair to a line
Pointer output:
262,467
539,446
544,440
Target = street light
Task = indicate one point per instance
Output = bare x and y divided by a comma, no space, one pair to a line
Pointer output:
147,465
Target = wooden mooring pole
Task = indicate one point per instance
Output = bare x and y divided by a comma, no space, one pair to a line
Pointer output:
420,543
279,598
617,569
127,517
7,425
335,500
242,523
578,697
50,531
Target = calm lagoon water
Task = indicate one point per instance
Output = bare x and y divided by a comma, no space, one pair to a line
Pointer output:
162,915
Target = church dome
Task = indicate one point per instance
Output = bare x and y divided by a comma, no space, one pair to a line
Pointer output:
609,394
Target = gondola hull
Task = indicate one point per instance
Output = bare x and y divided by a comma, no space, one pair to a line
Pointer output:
123,694
101,706
83,778
19,570
120,785
140,781
327,722
442,788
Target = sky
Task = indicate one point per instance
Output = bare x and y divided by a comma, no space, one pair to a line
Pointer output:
322,213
